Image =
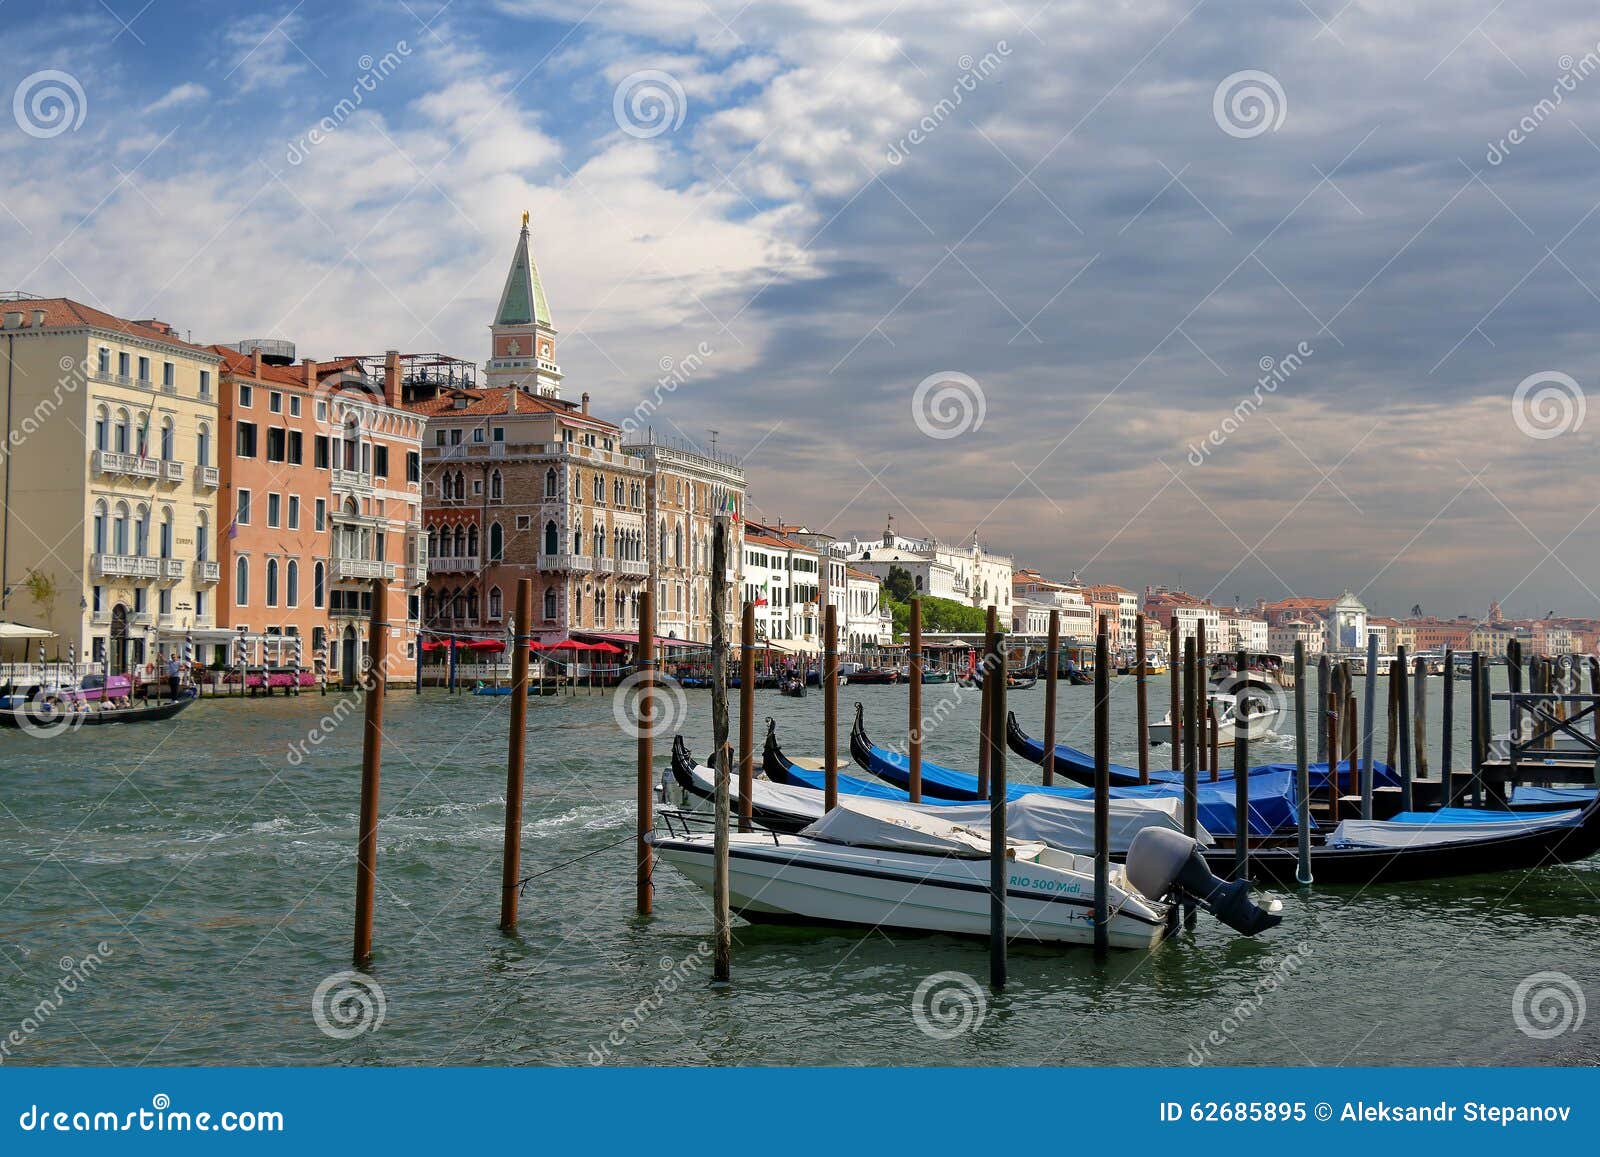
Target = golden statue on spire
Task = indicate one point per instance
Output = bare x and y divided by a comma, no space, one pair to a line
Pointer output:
524,218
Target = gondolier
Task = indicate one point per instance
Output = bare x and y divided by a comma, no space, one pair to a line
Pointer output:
174,674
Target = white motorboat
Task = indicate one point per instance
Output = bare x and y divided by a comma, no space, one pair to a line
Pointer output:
1260,715
873,864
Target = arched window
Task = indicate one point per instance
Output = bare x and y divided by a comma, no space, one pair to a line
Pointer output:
166,439
550,604
241,582
472,604
272,582
102,429
497,487
599,540
166,532
599,488
122,437
550,483
677,545
577,485
551,540
472,542
433,543
496,603
202,445
497,542
600,609
141,531
616,492
577,540
202,536
461,542
119,530
577,607
100,527
291,587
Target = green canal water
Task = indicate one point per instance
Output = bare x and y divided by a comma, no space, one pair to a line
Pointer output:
208,865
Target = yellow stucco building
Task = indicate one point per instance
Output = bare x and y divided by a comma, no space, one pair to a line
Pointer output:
108,532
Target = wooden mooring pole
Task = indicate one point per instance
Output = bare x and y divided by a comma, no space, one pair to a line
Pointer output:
1323,662
1301,766
1371,694
1447,733
747,715
1186,713
721,917
1419,713
985,715
1102,788
511,856
1175,696
994,680
1241,773
914,670
830,709
644,856
371,765
1403,700
1141,697
1052,662
1200,694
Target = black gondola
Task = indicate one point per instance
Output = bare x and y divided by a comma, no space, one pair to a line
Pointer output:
683,773
34,715
794,687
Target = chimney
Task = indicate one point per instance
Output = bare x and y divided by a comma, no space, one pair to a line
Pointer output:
391,378
255,363
38,319
586,401
308,373
512,405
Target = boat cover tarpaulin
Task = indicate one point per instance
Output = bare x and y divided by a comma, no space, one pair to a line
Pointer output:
1446,826
873,823
1271,792
1061,823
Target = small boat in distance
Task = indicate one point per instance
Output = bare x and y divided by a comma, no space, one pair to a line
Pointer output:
50,716
1260,714
873,676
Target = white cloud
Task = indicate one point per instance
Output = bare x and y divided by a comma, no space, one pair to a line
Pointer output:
187,93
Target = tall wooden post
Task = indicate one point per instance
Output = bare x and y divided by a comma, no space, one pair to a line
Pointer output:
1447,737
1302,769
1480,726
830,708
1051,676
1392,740
1175,695
721,917
1200,693
985,714
1241,772
1419,713
1323,662
1186,711
914,670
1102,789
371,765
1330,721
1367,735
994,681
747,715
1141,698
1404,707
644,856
511,858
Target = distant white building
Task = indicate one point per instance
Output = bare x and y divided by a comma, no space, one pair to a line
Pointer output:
966,574
783,577
1282,638
1242,631
862,626
1034,597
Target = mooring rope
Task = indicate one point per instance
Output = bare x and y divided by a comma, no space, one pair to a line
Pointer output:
526,880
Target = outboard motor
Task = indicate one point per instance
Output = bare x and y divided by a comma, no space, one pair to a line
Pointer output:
1162,861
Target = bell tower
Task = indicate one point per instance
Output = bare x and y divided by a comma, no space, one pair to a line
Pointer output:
522,336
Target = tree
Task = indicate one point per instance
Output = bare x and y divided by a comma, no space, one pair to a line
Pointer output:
900,585
42,591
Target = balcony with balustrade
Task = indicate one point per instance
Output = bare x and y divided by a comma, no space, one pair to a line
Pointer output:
171,470
207,571
581,563
124,566
352,480
207,477
633,567
172,568
360,569
466,564
127,465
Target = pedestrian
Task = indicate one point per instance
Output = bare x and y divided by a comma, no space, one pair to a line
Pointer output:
174,674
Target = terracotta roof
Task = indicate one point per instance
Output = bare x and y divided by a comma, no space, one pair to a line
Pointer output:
240,365
852,572
64,313
1301,604
497,400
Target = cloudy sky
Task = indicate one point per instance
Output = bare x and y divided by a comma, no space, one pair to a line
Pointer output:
1010,268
